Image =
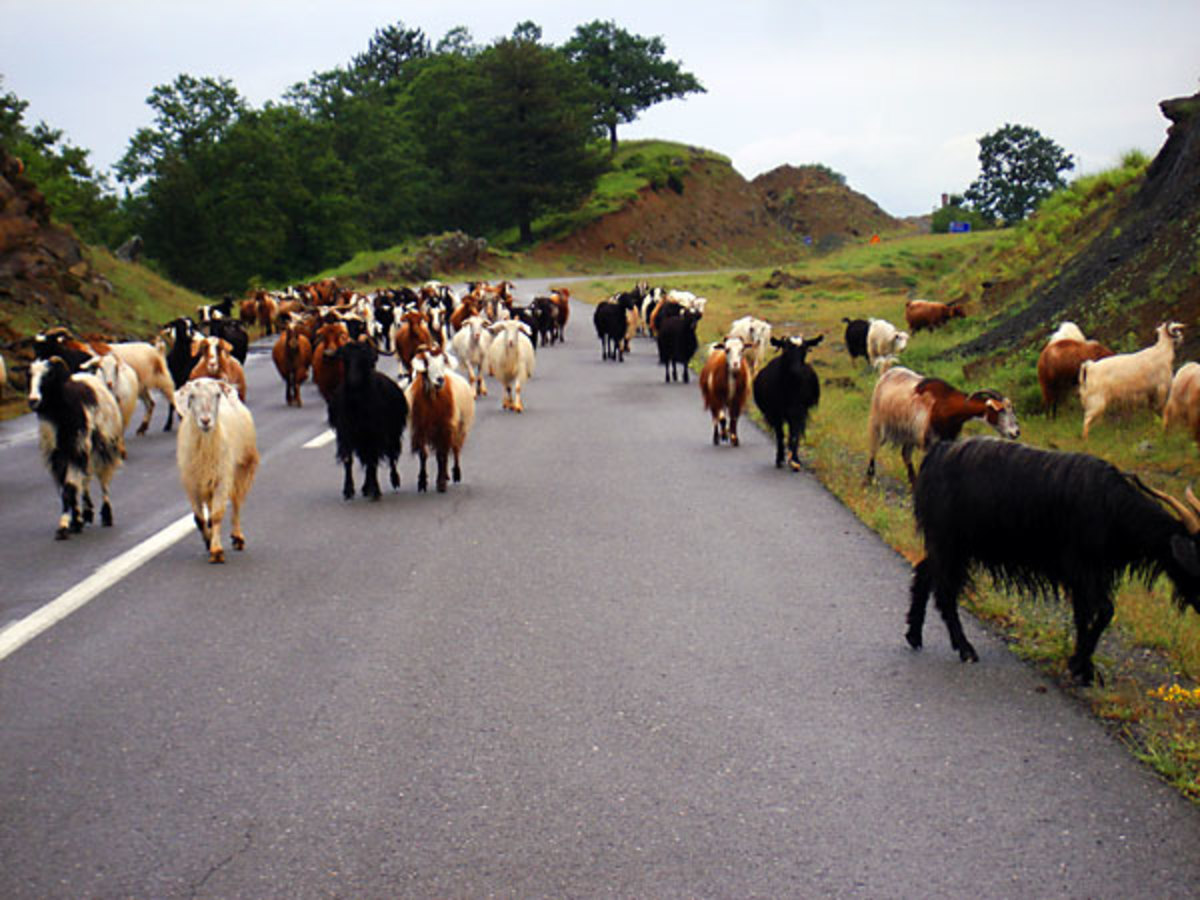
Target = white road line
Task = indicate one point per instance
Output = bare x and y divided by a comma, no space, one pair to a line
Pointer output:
24,630
320,440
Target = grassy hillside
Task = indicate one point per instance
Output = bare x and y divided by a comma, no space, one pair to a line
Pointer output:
1150,646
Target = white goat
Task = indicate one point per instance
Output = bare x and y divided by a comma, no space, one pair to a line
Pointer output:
217,453
1130,379
121,380
755,334
884,344
150,365
511,360
470,344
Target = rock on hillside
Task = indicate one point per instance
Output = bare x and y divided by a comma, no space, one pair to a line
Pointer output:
42,265
1149,248
812,201
714,216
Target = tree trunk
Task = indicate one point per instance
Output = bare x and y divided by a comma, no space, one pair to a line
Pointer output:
612,139
526,231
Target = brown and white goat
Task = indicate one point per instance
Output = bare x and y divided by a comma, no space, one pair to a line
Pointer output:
1059,362
216,361
1130,379
912,411
725,385
410,333
441,410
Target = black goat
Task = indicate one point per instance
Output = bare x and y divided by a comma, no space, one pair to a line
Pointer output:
785,391
368,412
180,359
677,344
1044,522
856,336
611,323
234,332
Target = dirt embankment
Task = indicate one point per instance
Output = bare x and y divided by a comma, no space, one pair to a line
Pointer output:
1148,249
42,265
720,218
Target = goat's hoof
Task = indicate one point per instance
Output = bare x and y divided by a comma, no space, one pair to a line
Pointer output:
967,654
796,466
441,487
914,639
88,515
239,542
76,526
106,517
61,534
216,556
142,429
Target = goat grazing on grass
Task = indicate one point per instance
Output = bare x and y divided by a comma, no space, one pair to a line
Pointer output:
930,314
217,454
1130,379
911,411
80,431
441,407
1060,360
1045,522
785,392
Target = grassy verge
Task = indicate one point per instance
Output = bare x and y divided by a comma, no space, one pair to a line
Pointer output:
1150,646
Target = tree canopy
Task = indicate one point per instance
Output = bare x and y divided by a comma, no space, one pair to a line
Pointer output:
1020,167
627,71
409,137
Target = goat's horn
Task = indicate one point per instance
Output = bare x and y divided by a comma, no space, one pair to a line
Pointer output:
1189,514
1192,500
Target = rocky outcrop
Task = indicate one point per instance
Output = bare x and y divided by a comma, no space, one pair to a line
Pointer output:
42,265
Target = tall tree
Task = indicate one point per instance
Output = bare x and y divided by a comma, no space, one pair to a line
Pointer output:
628,72
532,149
1020,167
390,51
190,113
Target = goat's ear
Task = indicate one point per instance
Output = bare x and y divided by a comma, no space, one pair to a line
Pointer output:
91,365
1185,553
524,329
418,364
452,361
183,398
228,390
812,342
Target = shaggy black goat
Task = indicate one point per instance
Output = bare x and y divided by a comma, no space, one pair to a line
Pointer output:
785,391
180,359
1043,522
856,336
611,324
368,412
677,344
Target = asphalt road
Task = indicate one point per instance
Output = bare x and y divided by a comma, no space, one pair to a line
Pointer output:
615,661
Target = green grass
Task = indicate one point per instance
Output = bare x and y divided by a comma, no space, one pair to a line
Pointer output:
1150,642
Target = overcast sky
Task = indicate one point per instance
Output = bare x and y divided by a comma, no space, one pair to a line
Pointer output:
894,95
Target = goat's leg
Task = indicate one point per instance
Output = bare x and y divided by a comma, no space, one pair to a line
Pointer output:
68,520
922,585
733,435
370,486
456,472
422,476
348,480
1093,611
779,446
148,405
947,586
794,433
906,452
442,460
216,554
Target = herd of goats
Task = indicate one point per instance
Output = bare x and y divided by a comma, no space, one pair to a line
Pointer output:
1037,520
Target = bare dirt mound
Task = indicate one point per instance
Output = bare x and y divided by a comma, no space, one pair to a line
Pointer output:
814,202
714,216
